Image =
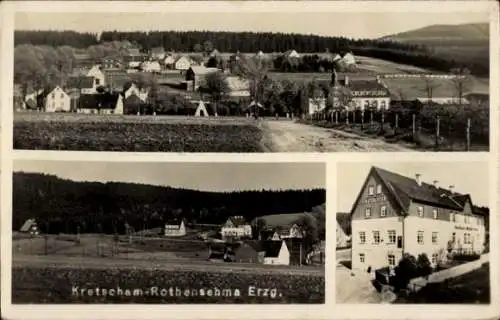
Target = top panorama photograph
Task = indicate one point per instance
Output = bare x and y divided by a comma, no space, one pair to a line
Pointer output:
251,82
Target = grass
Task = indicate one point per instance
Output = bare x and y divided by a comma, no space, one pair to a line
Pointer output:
472,287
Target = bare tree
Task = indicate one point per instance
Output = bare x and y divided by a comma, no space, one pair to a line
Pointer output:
461,82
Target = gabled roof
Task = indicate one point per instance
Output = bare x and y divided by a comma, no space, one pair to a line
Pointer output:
98,101
182,57
272,248
200,70
482,211
214,53
81,82
237,221
28,224
405,189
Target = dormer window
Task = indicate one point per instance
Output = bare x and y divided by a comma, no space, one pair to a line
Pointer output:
379,189
420,211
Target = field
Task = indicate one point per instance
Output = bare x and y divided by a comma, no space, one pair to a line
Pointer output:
35,131
97,261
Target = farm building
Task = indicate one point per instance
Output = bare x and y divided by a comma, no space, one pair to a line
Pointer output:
83,84
30,226
183,63
110,63
175,228
197,75
54,99
408,89
106,103
237,227
343,229
394,214
169,61
215,54
150,66
133,104
291,54
248,252
348,59
157,53
276,253
238,87
286,225
99,78
80,79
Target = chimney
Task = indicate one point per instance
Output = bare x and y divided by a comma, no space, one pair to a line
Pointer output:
435,183
417,177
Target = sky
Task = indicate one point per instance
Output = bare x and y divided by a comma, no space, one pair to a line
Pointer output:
467,177
348,24
198,176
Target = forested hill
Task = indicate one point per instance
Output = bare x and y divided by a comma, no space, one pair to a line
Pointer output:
186,41
95,206
462,33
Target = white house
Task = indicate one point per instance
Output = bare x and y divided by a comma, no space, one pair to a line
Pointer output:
237,227
364,94
151,66
183,63
291,54
134,90
175,228
54,99
316,105
287,232
276,253
169,61
348,59
394,215
158,53
99,77
337,57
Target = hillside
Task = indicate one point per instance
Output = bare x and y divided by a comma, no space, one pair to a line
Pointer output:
465,33
106,207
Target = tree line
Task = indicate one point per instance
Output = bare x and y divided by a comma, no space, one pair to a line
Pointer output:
61,205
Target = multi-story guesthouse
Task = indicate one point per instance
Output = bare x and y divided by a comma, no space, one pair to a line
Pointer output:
236,227
394,215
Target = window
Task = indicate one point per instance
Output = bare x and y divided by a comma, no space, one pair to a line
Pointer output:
362,237
97,81
383,105
379,189
434,237
362,257
453,237
368,212
391,234
420,211
53,95
392,260
435,213
452,217
376,237
420,237
371,190
434,258
383,211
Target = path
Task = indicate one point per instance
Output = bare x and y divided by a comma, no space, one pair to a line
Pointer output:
351,288
290,136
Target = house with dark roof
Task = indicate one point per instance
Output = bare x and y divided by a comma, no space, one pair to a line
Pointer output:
105,103
236,227
157,53
248,252
30,226
84,84
276,253
175,228
394,214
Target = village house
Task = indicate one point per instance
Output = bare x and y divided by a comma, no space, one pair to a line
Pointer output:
30,226
82,84
157,53
130,88
54,99
348,59
248,252
151,66
276,253
238,87
175,228
105,103
195,76
215,54
291,54
290,232
236,227
182,63
110,63
364,93
316,105
169,61
394,215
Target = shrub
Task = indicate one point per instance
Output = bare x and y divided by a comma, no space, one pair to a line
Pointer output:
423,265
406,270
466,257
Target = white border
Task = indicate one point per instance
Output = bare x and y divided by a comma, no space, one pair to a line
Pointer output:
330,310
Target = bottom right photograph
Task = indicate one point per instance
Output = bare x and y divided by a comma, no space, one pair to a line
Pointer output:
413,232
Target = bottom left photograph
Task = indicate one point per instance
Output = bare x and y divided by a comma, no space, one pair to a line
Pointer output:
168,232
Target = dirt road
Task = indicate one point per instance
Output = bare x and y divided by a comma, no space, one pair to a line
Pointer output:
290,136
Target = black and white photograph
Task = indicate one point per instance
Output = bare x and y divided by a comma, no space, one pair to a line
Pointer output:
114,232
412,233
251,81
